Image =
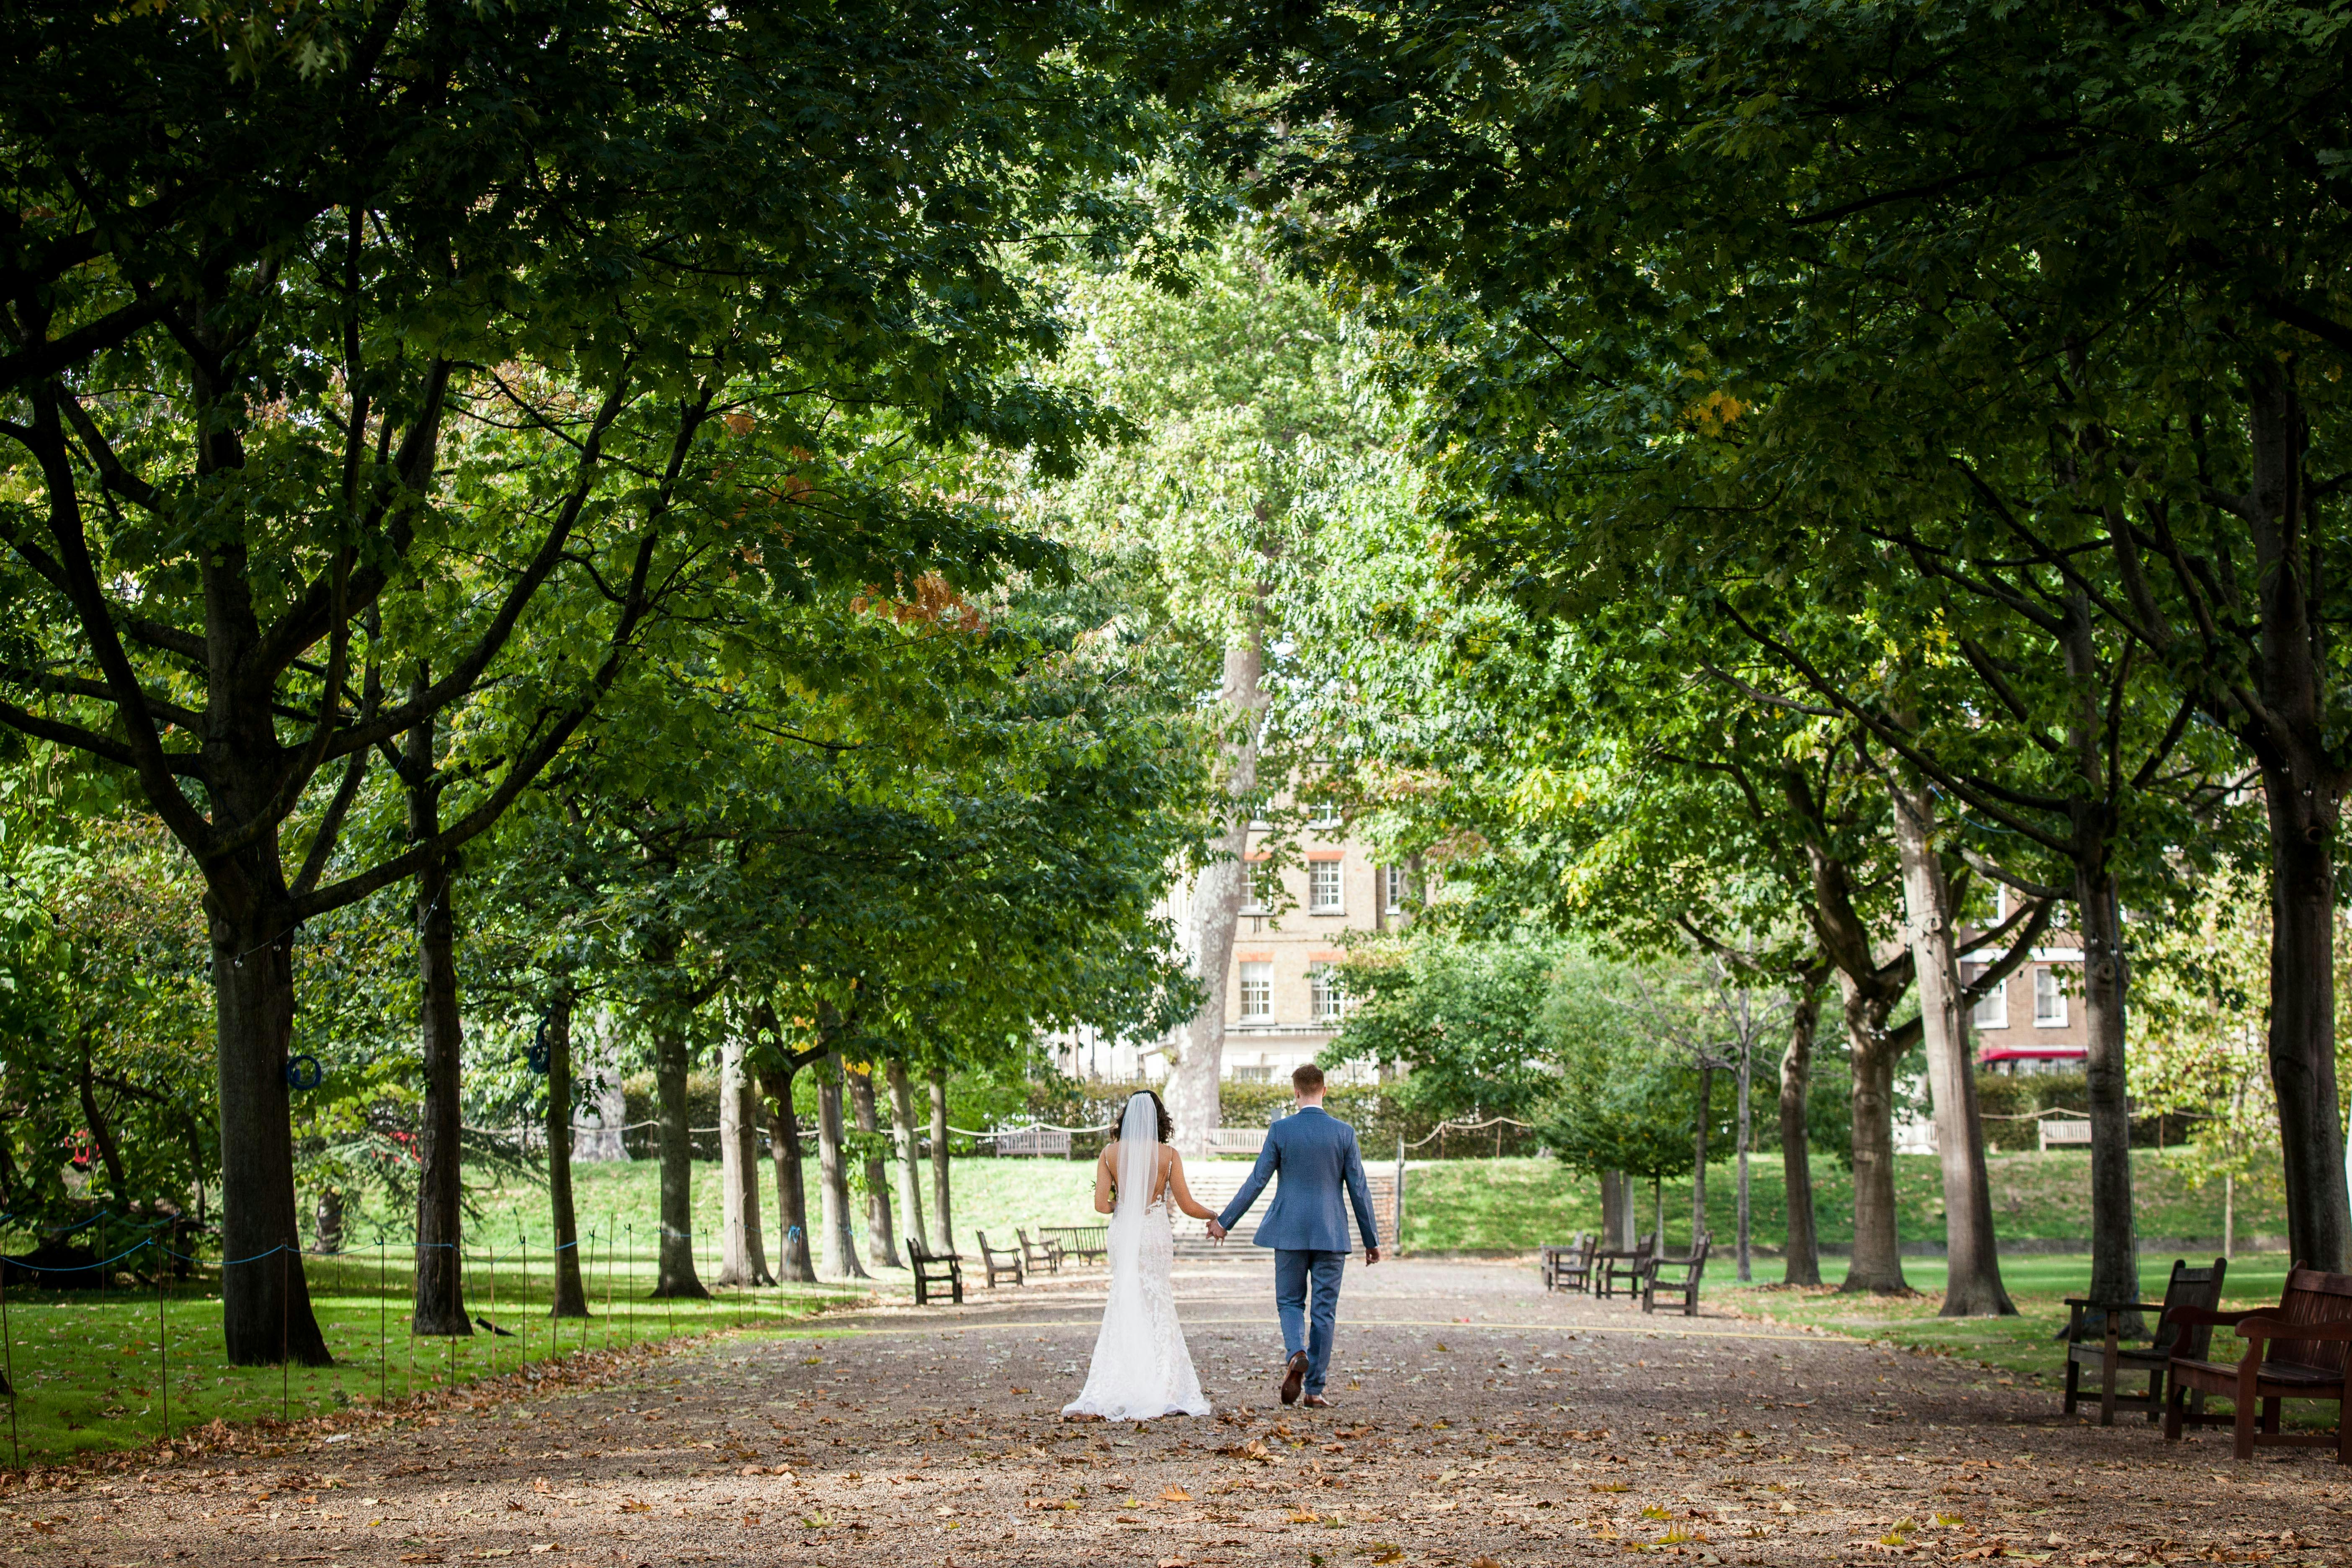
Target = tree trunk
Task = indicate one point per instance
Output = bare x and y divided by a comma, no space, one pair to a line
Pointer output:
1876,1263
1218,893
571,1295
2302,1023
911,1174
1803,1248
1973,1286
832,1176
440,1185
2292,740
1698,1157
1746,1131
672,1058
2115,1241
1616,1211
939,1157
265,1314
881,1236
743,1250
792,1194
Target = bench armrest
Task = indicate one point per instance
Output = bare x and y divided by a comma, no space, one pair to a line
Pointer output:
2259,1326
2187,1315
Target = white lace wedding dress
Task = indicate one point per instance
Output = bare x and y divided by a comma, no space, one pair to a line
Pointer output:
1142,1368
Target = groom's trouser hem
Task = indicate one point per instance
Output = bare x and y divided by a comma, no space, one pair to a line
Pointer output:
1308,1326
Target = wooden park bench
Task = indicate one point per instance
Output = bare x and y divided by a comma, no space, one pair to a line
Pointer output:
1086,1243
1630,1265
2094,1338
1685,1282
933,1270
1034,1255
2294,1350
1568,1268
999,1260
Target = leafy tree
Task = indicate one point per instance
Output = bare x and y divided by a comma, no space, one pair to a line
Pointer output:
1462,1018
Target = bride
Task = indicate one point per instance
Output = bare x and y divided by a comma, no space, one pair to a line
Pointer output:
1141,1369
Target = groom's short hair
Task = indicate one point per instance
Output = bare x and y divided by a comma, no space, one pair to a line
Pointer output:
1307,1079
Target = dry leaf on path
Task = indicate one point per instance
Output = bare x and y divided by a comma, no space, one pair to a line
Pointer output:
1175,1494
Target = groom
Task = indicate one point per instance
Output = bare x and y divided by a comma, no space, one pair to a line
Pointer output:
1308,1227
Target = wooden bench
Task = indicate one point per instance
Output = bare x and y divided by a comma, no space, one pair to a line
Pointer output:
1086,1243
999,1260
2094,1338
1631,1267
933,1270
1045,1255
2294,1350
1568,1268
1692,1265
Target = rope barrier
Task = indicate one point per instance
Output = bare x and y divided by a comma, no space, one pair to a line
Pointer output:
1445,1127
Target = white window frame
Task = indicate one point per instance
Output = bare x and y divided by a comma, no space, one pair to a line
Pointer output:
2049,998
1261,872
1316,873
1325,1002
1393,890
1260,972
1991,1011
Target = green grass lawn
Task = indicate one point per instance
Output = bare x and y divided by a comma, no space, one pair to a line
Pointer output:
1521,1203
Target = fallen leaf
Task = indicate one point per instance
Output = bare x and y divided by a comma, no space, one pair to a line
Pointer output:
546,1546
1175,1494
1300,1516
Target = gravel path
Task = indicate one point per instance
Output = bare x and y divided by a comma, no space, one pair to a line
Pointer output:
1478,1422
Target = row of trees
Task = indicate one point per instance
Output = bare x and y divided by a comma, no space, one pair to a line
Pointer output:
520,505
1881,456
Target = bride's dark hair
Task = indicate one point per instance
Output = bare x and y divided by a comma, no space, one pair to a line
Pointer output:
1164,1124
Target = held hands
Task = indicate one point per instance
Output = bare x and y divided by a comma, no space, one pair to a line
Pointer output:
1216,1231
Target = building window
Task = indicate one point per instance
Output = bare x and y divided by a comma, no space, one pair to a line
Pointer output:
1325,816
1265,886
2049,1000
1325,1000
1392,888
1257,989
1323,886
1254,1075
1991,1011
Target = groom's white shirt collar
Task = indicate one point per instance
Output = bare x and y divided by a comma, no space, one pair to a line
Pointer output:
1297,1109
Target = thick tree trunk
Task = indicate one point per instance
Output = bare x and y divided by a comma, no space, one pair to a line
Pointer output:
881,1235
743,1250
1192,1090
440,1185
265,1314
1616,1211
793,1263
2291,739
672,1058
1876,1263
939,1157
911,1174
1973,1285
832,1176
1746,1081
571,1294
1803,1248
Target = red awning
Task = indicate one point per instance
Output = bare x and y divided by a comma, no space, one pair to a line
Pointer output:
2035,1053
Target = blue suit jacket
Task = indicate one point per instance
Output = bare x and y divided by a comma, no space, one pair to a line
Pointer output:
1317,1154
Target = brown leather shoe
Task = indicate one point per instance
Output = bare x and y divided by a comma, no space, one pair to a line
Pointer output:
1316,1402
1293,1378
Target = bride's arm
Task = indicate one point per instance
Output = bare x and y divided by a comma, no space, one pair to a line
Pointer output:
1103,1183
1184,1194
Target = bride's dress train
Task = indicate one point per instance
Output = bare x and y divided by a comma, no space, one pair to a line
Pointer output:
1142,1368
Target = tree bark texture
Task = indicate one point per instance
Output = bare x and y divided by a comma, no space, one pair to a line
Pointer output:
1194,1087
881,1235
571,1294
1616,1211
1973,1284
1698,1156
1802,1251
1877,1261
672,1058
440,1300
793,1263
939,1157
265,1314
743,1256
2115,1240
911,1173
832,1176
1746,1131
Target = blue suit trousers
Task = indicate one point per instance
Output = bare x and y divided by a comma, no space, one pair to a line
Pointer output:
1306,1328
